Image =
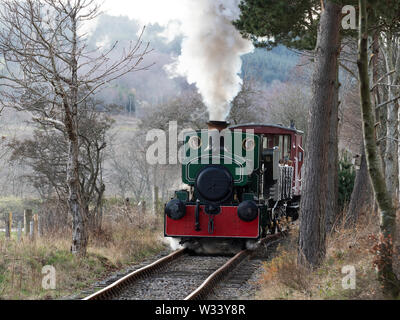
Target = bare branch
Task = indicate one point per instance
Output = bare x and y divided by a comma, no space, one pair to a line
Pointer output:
387,102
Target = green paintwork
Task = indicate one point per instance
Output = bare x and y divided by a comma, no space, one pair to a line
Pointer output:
249,197
182,195
233,157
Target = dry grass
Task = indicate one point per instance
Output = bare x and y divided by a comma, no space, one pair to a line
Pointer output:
118,244
283,278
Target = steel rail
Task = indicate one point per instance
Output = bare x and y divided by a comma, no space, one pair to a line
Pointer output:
114,288
201,292
209,284
205,288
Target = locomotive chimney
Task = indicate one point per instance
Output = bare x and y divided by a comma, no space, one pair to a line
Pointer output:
219,125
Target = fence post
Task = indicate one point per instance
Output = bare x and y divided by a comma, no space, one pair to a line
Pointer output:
27,221
35,224
7,225
155,200
143,214
39,225
19,231
10,222
32,230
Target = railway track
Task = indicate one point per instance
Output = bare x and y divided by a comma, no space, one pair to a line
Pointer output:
178,276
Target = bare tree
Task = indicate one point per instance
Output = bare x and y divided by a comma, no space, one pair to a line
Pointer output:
290,101
130,169
382,193
389,86
50,72
2,138
187,109
362,198
246,107
46,153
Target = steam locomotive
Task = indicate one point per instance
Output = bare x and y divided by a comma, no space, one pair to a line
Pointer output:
242,182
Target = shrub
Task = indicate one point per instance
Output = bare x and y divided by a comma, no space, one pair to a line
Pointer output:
347,176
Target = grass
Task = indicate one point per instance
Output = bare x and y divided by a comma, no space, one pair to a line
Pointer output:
117,245
13,235
284,279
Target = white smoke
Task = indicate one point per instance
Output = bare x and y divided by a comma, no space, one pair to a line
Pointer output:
172,243
211,52
211,49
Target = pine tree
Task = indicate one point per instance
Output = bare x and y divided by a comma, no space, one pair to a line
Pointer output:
292,23
298,24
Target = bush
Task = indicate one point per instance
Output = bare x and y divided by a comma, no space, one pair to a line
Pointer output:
347,176
284,279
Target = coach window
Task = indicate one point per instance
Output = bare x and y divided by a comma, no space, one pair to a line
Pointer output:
286,148
278,142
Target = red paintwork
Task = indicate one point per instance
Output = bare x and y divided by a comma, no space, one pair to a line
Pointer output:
227,224
264,129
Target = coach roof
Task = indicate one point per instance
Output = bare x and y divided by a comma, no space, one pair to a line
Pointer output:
263,128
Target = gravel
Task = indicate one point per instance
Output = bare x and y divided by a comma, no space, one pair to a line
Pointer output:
177,281
182,276
113,277
242,283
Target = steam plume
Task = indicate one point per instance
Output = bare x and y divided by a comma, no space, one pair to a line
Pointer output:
211,52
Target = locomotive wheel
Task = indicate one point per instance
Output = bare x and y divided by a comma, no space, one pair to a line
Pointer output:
273,227
263,231
278,226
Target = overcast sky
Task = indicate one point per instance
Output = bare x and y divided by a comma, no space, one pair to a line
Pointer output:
166,13
147,11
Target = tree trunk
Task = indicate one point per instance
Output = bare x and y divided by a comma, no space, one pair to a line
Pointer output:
375,78
154,191
98,219
332,208
388,213
312,247
80,235
362,197
391,151
79,217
